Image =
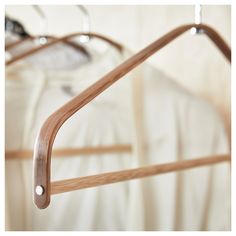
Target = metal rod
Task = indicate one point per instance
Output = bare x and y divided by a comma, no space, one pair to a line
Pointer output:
85,24
43,25
197,19
198,14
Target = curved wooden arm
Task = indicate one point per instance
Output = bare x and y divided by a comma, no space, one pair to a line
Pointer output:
47,134
36,49
66,40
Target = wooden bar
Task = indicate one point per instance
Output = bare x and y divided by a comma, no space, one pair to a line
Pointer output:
26,154
124,175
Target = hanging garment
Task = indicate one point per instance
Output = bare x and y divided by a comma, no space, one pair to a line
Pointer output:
177,126
187,127
38,104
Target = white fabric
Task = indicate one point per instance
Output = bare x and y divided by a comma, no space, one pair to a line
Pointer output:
136,217
11,38
177,126
187,127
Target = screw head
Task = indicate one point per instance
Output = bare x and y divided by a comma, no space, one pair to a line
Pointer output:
39,190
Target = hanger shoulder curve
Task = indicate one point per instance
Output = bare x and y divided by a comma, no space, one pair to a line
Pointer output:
66,39
30,52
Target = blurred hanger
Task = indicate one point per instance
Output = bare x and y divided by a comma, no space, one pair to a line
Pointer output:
43,39
43,187
84,37
63,39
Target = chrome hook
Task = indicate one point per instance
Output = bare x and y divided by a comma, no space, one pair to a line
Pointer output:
198,20
85,24
44,25
198,14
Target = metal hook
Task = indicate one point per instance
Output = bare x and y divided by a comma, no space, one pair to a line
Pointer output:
85,24
198,14
44,25
198,19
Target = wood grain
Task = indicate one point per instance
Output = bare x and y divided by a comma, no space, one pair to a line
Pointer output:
47,134
124,175
27,154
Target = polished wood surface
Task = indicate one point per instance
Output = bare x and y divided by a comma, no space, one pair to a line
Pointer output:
48,132
124,175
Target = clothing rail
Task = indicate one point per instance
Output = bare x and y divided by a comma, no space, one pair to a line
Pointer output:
48,132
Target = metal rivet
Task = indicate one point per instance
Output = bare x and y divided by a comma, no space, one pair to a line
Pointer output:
39,190
43,40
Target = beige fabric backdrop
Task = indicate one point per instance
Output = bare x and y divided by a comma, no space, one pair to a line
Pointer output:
190,60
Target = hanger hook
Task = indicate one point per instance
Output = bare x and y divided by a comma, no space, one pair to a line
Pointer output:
44,24
198,19
85,24
198,14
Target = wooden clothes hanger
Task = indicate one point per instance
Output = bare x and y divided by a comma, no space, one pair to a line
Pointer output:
42,39
65,39
43,187
45,38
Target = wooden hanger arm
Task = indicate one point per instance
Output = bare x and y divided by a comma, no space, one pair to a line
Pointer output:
30,52
217,40
65,39
47,134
